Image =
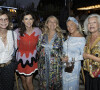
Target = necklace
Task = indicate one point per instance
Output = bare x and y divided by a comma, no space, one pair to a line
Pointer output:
3,37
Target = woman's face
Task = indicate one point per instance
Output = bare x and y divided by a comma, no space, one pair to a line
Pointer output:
28,21
93,25
52,24
71,27
4,21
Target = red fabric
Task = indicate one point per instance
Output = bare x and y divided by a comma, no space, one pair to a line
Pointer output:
27,46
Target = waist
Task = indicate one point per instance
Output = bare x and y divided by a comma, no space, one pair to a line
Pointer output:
5,64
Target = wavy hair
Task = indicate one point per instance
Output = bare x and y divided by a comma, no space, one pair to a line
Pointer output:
22,25
57,29
86,22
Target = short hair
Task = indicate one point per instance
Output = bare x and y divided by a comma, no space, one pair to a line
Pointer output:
9,27
86,22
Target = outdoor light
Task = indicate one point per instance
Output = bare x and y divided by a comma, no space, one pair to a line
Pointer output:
89,7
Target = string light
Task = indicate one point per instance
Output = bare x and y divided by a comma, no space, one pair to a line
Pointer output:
89,7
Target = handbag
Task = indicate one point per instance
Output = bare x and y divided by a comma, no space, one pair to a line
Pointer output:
69,67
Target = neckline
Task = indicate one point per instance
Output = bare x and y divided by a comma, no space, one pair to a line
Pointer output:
31,33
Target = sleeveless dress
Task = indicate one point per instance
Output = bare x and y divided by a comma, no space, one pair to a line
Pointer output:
26,53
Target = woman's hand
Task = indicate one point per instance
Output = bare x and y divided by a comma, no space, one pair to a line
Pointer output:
85,55
65,59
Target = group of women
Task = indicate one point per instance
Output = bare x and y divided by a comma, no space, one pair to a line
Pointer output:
56,53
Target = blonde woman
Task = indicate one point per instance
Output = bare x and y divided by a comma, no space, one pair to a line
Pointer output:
50,48
92,52
73,47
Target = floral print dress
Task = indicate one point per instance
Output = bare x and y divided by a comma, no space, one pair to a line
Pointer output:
49,64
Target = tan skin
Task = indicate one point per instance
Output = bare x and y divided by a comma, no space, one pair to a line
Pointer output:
93,27
72,28
27,81
51,25
3,28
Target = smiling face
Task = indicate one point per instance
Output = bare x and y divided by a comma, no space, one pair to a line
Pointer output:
71,27
28,21
52,24
93,25
4,21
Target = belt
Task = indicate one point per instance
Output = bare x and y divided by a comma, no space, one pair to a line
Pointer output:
5,64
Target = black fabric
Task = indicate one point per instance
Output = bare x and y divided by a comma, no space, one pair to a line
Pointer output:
15,63
91,83
69,67
7,77
27,62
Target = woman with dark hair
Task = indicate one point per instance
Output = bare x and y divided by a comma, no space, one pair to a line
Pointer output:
27,40
8,39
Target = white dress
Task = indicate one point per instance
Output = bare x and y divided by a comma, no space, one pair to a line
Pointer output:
73,47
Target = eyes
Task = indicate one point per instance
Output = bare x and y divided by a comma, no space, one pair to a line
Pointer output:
52,21
92,22
2,19
28,18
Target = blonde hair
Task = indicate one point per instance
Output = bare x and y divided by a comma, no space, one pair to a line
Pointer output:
86,22
58,29
79,28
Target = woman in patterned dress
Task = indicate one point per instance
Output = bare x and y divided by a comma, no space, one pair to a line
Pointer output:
27,40
92,52
73,47
50,49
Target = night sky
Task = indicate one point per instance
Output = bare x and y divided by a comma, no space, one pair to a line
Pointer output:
22,3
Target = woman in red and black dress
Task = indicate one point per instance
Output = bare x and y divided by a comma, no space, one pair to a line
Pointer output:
27,41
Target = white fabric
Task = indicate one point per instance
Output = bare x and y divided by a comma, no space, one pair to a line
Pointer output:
7,51
73,47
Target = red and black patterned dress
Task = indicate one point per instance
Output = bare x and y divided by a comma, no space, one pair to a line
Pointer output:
26,53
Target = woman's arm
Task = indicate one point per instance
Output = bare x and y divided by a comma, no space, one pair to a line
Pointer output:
89,56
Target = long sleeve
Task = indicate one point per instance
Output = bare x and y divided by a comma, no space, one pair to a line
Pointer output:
81,50
39,43
74,47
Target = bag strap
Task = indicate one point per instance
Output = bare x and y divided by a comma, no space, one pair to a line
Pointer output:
14,43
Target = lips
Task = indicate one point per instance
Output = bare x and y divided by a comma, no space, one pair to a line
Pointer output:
92,28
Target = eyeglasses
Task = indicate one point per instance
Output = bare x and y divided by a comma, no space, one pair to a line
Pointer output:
5,20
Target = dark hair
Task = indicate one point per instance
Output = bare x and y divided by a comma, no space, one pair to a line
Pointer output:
9,27
22,25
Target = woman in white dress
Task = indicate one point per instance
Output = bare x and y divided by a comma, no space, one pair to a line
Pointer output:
73,47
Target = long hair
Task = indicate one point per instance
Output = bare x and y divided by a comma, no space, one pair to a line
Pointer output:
22,25
58,29
79,28
9,27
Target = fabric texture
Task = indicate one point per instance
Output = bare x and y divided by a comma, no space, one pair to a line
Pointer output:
26,53
7,77
92,66
6,52
73,47
49,64
7,72
91,83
